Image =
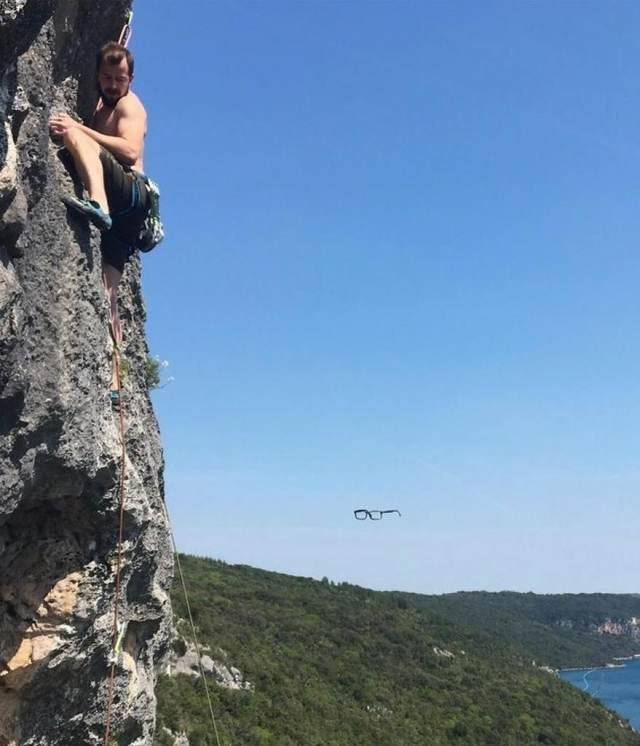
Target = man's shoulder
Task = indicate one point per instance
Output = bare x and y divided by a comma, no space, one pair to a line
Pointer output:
131,106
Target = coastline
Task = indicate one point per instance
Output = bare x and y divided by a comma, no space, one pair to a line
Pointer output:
615,685
634,656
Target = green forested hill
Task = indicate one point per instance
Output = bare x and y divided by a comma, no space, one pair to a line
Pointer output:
553,630
344,666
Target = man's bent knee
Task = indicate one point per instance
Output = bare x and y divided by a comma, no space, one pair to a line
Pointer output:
75,139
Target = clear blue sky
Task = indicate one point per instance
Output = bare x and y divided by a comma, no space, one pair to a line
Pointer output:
402,270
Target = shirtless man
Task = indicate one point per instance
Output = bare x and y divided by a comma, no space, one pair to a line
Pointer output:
108,159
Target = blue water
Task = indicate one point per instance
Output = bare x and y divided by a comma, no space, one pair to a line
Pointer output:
617,688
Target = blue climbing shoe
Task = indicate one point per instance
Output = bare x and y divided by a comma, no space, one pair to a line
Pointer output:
116,400
90,209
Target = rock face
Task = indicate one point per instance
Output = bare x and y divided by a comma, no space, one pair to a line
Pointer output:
619,627
624,627
60,449
187,664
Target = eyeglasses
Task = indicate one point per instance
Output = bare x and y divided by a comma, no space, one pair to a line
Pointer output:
375,515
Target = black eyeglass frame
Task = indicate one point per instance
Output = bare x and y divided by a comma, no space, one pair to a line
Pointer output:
361,514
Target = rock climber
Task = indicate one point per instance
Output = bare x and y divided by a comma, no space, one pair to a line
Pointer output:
108,157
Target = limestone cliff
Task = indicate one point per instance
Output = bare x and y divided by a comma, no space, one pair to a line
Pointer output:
620,627
59,440
623,627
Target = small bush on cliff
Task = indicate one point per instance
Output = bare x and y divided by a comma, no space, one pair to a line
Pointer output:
152,373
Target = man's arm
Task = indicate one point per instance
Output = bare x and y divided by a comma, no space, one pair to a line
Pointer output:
126,146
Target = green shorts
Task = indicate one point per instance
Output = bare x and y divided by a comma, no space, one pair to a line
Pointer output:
128,206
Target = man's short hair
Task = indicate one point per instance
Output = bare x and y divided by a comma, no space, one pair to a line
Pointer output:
113,53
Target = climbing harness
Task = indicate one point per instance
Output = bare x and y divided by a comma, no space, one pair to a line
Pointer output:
125,34
152,230
119,628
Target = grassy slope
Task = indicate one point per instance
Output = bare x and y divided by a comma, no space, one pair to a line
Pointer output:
341,665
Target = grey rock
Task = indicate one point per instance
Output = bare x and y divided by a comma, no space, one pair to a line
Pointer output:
13,204
228,677
179,739
60,451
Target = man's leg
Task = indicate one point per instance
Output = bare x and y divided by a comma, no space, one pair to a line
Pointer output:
111,278
86,156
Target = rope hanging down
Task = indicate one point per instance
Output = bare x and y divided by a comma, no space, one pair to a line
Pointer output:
118,630
193,626
117,635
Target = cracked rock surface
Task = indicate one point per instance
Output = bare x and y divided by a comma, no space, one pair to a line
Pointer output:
60,450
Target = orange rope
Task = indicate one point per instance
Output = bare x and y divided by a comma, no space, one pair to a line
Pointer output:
116,606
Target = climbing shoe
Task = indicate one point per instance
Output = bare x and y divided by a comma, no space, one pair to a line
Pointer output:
114,395
90,209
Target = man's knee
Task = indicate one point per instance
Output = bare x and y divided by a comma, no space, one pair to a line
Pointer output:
76,140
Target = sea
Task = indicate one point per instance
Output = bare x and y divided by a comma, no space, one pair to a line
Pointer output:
618,688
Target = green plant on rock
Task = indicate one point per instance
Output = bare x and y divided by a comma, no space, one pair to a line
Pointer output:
124,369
152,373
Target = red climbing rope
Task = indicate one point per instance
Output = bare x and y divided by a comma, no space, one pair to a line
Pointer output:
115,641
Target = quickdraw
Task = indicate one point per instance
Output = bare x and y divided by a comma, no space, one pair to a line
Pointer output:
125,34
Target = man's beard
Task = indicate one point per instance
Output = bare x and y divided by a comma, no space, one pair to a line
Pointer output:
111,101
